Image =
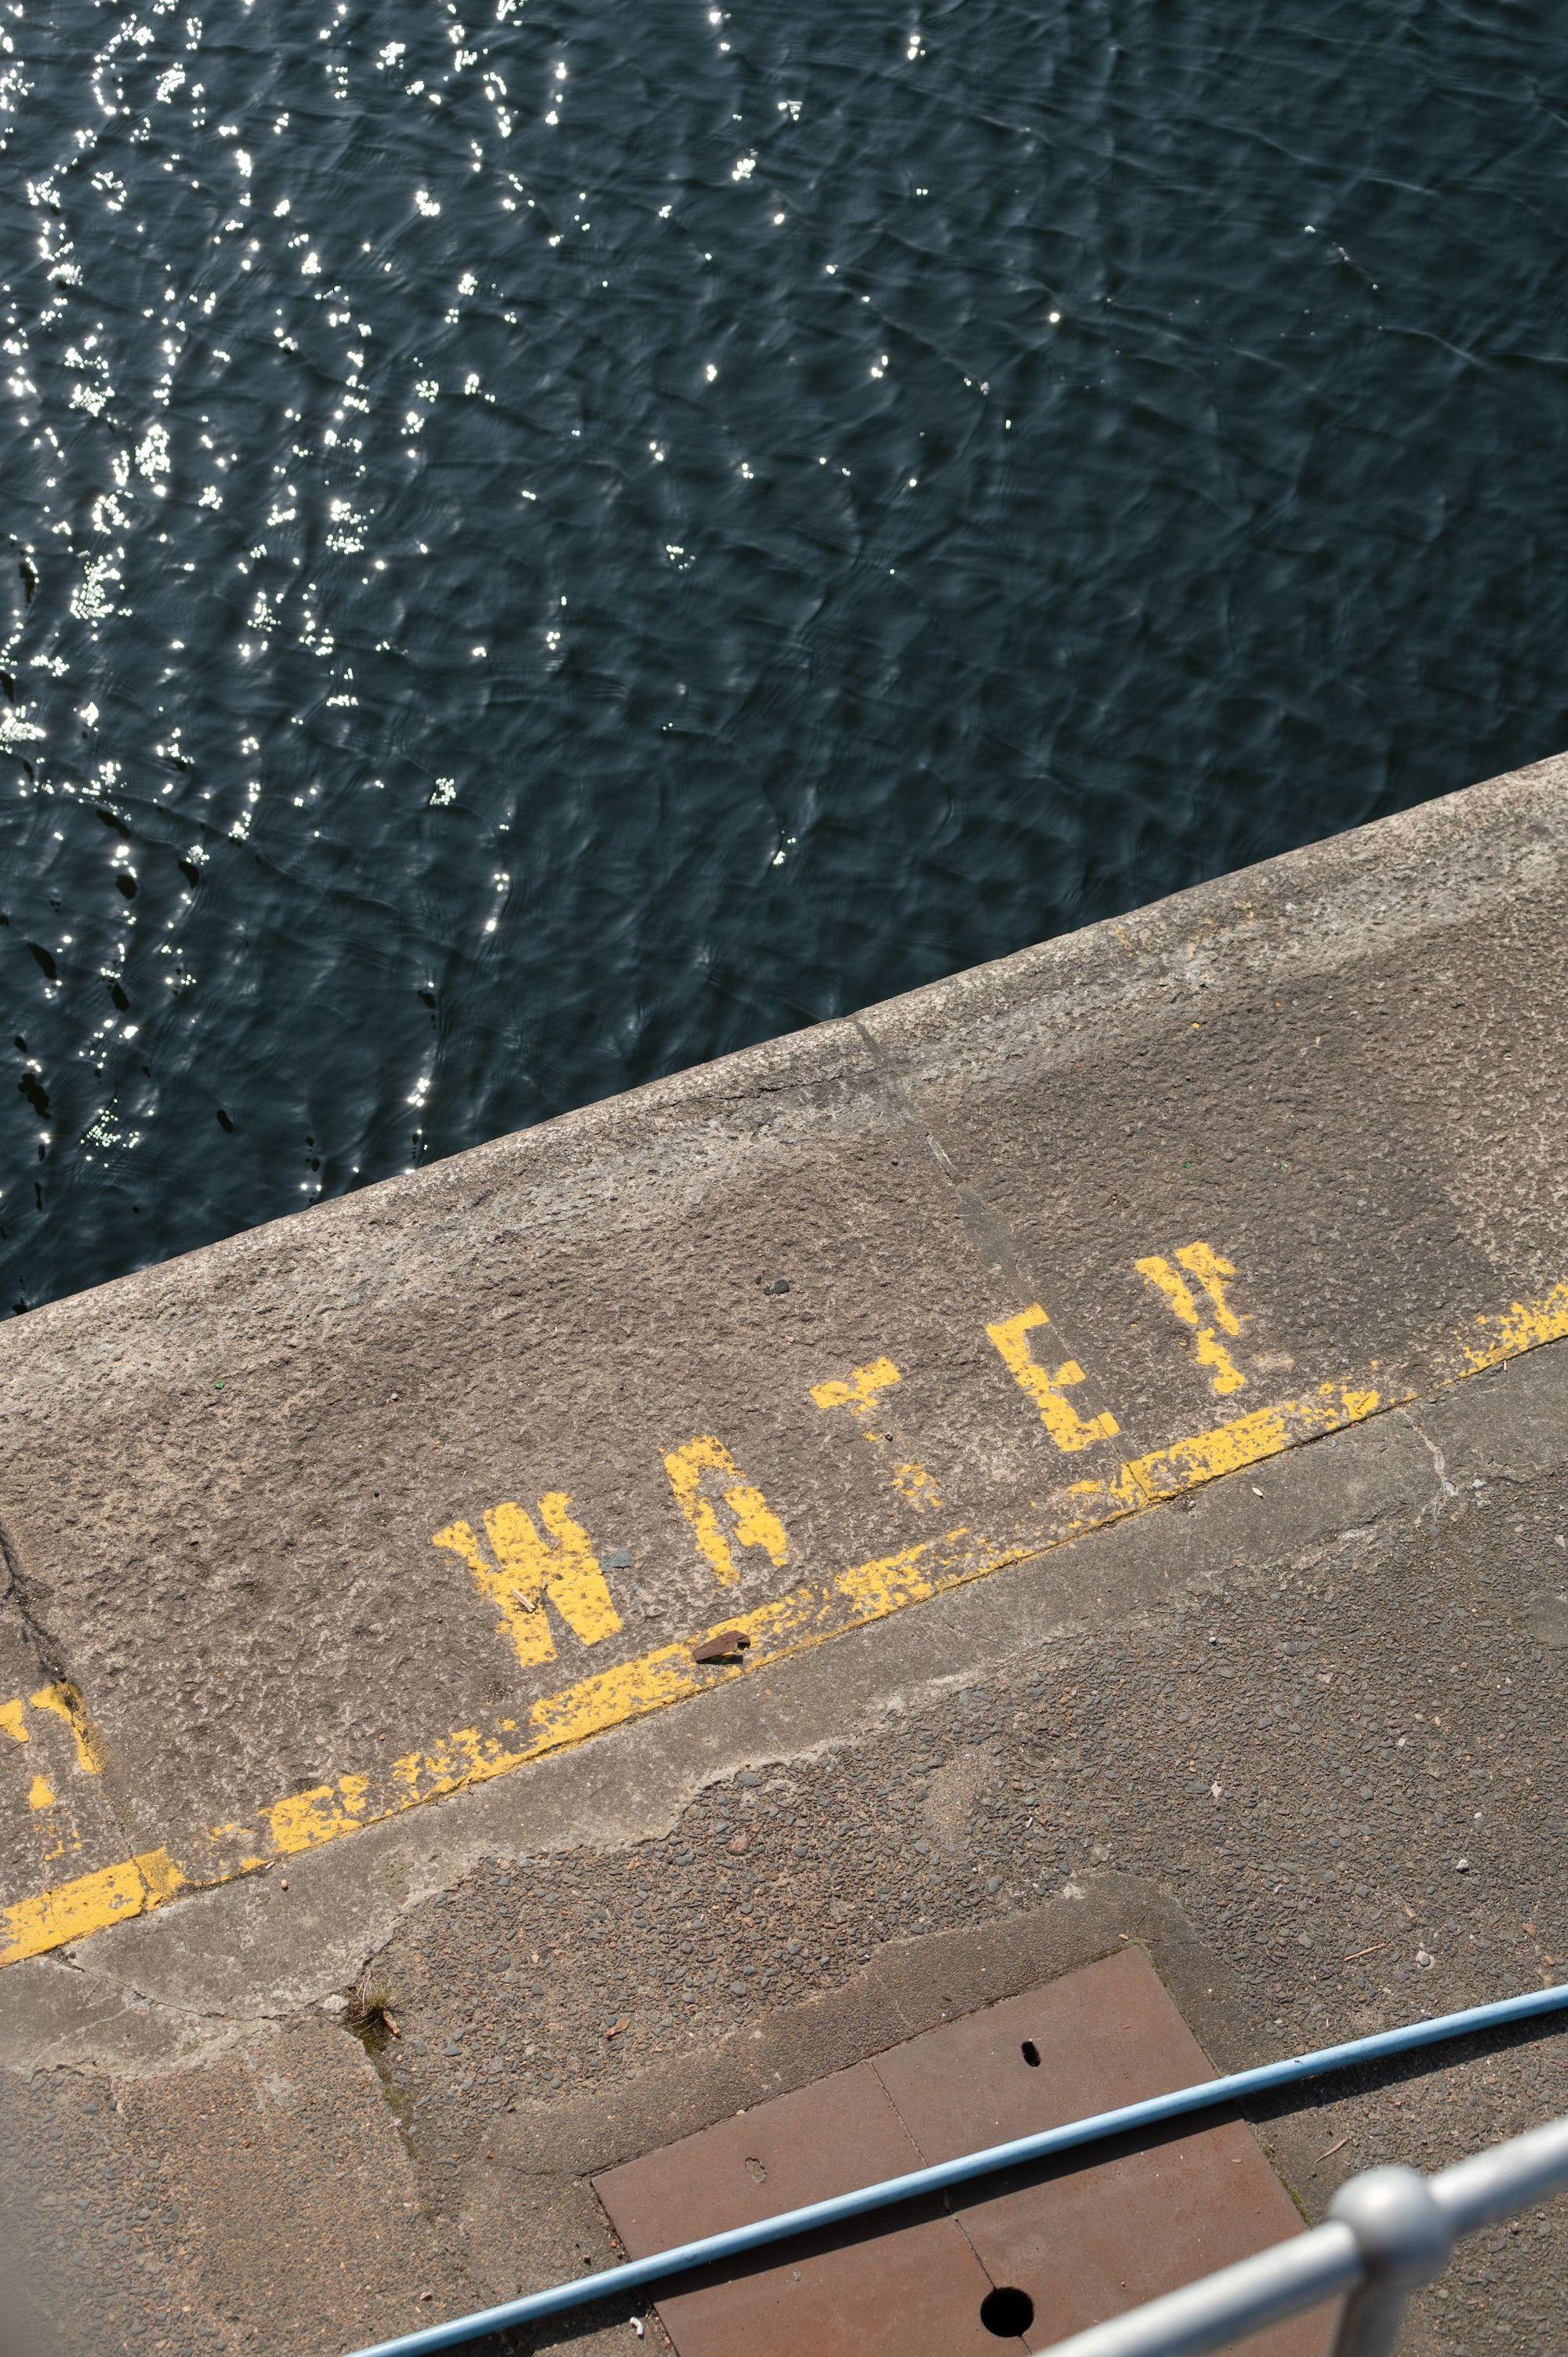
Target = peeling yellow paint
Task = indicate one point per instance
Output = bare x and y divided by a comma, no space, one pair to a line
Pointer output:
559,1565
860,1390
628,1691
706,1462
873,1589
917,1488
1046,1386
306,1820
159,1872
1523,1326
1266,1432
1202,1262
809,1615
468,1756
66,1703
1213,1273
89,1904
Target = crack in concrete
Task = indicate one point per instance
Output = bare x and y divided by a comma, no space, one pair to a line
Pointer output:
122,1999
987,1228
1446,1488
17,1591
39,2065
595,1834
129,1994
605,1840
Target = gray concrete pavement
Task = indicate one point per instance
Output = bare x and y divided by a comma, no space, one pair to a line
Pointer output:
1117,1394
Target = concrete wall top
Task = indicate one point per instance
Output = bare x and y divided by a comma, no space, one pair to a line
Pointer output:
383,1501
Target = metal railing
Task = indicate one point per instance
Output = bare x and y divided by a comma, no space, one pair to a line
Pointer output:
1388,2233
1046,2144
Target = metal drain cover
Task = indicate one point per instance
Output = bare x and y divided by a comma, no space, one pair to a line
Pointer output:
1021,2266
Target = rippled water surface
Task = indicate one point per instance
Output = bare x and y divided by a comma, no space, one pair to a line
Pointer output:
546,542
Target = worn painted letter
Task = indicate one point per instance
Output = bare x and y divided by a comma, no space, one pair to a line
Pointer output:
532,1569
860,1392
703,1466
1204,1263
1047,1386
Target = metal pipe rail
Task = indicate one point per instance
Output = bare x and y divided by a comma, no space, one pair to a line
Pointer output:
967,2169
1388,2232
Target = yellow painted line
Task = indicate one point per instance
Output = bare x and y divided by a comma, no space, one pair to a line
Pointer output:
1265,1432
1523,1326
89,1904
809,1615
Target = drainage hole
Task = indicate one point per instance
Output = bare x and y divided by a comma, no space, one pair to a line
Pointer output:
1031,2054
1007,2311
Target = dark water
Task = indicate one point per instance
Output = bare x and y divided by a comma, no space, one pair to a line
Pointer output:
547,542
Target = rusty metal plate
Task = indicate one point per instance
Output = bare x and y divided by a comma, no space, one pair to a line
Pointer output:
914,2292
1100,2237
1041,2261
1105,2035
